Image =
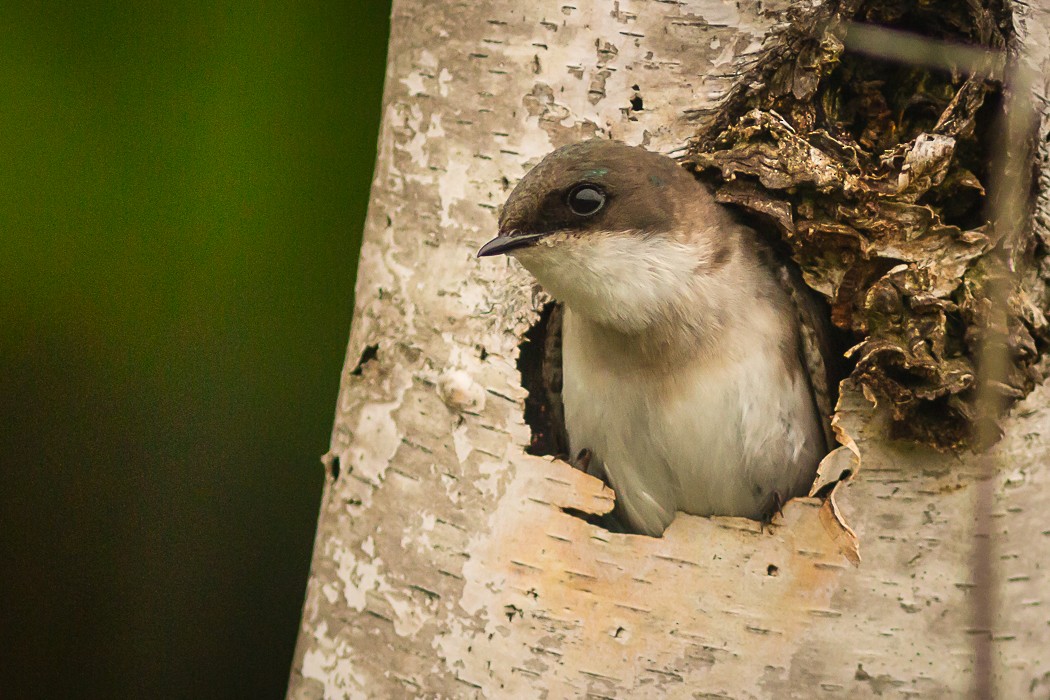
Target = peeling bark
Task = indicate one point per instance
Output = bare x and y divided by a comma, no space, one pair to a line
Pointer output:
875,174
446,564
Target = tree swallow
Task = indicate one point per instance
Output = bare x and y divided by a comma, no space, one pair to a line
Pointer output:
682,372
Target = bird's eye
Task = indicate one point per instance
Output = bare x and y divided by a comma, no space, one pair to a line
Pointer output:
585,200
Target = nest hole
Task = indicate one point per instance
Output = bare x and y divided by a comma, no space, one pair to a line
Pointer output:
539,362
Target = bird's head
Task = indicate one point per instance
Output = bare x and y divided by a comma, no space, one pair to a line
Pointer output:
616,232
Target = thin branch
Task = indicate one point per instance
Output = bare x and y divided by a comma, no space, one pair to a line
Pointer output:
1010,179
915,49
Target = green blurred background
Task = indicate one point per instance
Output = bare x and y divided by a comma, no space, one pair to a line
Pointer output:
182,190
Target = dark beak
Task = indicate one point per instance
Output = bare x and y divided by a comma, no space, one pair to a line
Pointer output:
505,244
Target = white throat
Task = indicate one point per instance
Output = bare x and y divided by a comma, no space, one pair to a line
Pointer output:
627,281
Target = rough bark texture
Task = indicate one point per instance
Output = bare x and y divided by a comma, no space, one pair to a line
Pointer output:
445,565
874,174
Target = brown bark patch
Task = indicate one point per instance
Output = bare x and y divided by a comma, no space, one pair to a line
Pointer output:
876,175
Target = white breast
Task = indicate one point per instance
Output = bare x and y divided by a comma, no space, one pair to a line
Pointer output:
714,436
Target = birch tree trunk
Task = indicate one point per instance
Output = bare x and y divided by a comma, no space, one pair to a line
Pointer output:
445,564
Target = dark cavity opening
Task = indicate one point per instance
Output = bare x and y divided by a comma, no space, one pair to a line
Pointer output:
539,362
367,355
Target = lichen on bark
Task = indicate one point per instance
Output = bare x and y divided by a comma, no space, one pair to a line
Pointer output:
876,175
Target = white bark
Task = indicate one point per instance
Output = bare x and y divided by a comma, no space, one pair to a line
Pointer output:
444,565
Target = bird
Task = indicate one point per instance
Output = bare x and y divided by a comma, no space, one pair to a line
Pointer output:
685,383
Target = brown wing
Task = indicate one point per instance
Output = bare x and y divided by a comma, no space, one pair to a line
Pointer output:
552,382
814,343
815,347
